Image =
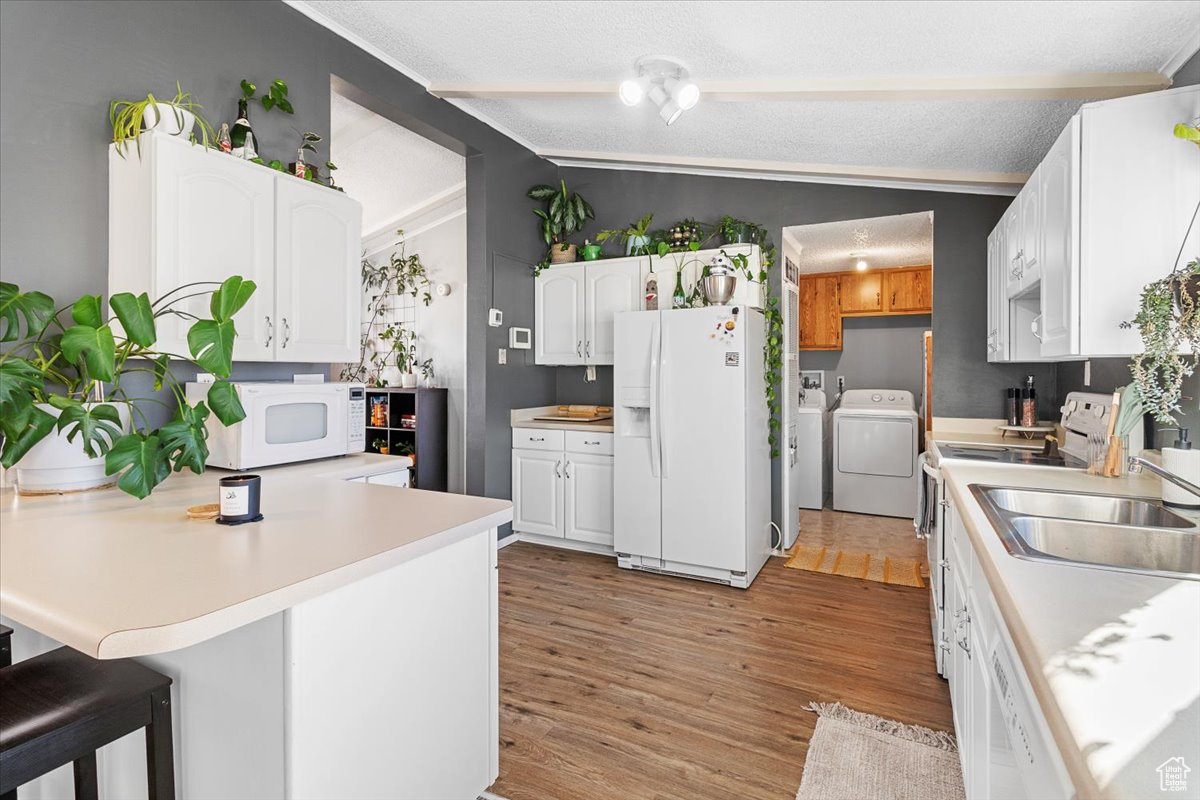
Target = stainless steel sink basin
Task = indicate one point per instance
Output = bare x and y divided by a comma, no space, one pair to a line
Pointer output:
1087,508
1125,534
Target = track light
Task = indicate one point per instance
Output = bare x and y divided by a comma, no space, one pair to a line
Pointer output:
665,81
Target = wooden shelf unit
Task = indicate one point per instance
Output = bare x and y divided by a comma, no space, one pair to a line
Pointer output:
428,438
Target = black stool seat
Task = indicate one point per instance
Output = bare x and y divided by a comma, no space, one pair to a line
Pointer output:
62,706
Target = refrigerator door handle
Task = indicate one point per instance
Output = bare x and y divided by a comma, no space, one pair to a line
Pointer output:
654,442
661,400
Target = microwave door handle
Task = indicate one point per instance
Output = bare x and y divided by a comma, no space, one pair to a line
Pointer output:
654,441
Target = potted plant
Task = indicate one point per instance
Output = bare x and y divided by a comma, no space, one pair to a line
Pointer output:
564,212
634,237
590,251
380,446
681,235
407,449
1168,320
736,231
67,420
178,116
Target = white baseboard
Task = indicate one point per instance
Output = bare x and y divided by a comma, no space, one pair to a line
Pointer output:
562,544
507,540
489,795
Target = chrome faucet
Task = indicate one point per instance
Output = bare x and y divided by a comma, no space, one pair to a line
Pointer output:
1137,462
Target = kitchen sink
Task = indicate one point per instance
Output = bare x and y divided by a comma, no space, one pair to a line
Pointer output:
1088,508
1125,534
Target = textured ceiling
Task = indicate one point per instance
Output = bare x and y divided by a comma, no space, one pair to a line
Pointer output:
897,241
589,41
387,168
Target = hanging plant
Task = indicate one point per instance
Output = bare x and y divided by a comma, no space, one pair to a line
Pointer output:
1169,322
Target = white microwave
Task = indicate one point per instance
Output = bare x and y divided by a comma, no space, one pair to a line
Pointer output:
287,422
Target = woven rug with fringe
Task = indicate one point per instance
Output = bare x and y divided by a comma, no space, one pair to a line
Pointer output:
881,569
865,757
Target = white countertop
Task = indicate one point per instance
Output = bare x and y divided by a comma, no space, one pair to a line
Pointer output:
524,418
115,577
1113,658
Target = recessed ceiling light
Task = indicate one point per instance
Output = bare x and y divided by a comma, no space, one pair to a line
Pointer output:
665,81
861,265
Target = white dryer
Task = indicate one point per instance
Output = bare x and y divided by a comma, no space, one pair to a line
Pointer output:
875,452
811,449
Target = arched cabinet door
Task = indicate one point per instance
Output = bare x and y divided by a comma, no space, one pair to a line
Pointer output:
559,310
318,239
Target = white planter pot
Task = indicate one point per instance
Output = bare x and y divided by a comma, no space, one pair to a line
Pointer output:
391,376
167,118
408,380
56,466
634,242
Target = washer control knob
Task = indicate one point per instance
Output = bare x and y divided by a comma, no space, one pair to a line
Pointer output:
875,398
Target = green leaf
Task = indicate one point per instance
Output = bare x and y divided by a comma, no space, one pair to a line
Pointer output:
276,164
1188,132
279,87
541,192
18,381
230,297
86,311
22,430
268,102
223,399
248,88
99,425
211,344
285,105
136,316
147,464
35,308
95,346
184,440
160,366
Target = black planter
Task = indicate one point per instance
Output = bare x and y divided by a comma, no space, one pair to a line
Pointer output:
739,234
1190,285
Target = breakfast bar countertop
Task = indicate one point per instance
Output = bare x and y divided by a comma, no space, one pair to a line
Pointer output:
114,577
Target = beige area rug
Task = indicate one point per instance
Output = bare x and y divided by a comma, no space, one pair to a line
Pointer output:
831,561
857,756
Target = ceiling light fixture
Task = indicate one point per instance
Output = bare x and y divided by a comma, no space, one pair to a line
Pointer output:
665,81
860,262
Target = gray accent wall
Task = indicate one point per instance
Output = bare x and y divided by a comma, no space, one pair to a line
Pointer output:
61,63
877,353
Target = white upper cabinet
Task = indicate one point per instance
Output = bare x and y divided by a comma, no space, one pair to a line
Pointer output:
317,232
181,214
558,317
611,287
1104,214
1059,188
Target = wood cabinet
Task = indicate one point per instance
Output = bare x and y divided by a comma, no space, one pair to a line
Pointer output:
861,293
826,298
179,214
908,291
820,319
562,486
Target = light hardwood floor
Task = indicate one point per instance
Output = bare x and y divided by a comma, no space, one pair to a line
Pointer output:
864,533
617,684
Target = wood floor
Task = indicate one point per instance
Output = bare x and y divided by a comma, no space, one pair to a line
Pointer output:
617,684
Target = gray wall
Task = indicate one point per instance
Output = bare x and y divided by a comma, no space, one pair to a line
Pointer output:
964,384
877,353
61,63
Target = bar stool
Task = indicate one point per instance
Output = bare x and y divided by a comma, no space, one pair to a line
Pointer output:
62,706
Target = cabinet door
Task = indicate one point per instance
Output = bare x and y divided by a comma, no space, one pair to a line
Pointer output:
908,291
998,270
993,306
610,287
1030,252
820,320
807,312
537,492
589,498
1059,231
214,217
861,293
1012,247
318,241
558,314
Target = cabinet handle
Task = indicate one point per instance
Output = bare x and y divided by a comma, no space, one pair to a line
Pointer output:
877,298
597,444
944,503
587,348
942,644
557,468
1035,327
893,298
579,348
943,563
567,469
287,333
537,438
270,332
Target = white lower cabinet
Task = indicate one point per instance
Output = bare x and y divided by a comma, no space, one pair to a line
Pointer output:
562,486
1004,745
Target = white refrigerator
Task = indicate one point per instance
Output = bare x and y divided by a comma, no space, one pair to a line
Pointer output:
692,470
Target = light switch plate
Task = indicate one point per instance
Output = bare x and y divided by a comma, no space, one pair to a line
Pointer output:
502,356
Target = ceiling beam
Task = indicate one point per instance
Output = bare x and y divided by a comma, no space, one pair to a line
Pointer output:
1053,86
899,177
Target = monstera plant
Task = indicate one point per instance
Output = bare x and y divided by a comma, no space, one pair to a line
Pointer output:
64,369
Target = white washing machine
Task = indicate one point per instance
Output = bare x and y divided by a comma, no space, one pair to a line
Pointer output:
875,452
812,449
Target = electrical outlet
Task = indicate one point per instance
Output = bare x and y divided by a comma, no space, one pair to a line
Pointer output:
841,383
502,357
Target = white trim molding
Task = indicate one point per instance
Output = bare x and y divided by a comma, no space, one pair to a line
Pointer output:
963,181
1052,86
434,210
